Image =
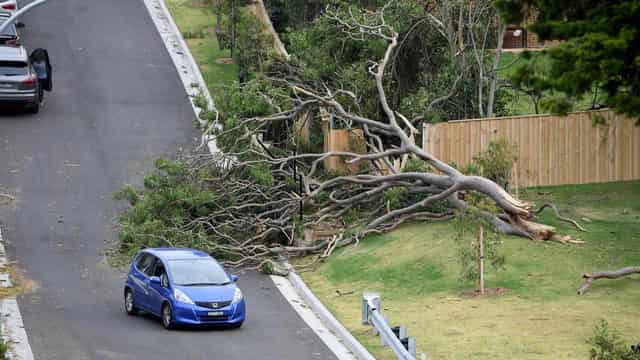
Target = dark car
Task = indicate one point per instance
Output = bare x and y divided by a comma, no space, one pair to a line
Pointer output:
19,81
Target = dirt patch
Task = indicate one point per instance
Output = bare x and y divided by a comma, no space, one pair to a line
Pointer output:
225,61
489,292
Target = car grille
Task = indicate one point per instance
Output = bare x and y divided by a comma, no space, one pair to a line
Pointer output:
214,318
213,304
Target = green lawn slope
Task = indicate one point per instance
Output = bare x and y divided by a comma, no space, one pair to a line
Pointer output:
539,317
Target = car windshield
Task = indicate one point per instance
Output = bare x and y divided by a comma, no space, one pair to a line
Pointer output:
197,272
11,68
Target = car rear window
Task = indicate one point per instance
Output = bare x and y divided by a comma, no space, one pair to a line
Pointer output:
8,68
9,31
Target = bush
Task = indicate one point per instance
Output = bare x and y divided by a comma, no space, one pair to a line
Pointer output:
4,349
607,345
496,162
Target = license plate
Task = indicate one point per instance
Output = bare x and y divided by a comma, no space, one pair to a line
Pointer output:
215,313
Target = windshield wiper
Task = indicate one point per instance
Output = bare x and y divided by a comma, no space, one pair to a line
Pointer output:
206,284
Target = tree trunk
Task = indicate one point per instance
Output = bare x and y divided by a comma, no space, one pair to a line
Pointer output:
233,28
589,278
481,260
494,70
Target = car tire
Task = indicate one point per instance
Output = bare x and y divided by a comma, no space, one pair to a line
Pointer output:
33,108
129,305
167,316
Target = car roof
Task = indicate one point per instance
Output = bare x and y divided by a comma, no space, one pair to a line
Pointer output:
177,253
13,53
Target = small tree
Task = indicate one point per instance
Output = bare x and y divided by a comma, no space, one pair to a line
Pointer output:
477,241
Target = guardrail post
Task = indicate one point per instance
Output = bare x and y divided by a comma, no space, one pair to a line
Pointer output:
370,302
412,346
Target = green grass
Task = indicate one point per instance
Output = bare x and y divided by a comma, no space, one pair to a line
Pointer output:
194,17
521,104
540,317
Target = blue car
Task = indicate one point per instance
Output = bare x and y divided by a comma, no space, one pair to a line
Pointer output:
183,287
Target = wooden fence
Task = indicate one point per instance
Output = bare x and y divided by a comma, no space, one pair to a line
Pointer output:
552,150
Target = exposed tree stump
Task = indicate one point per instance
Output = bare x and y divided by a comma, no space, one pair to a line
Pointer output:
590,277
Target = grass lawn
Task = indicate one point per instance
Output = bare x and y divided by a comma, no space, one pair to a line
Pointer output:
194,17
539,317
521,104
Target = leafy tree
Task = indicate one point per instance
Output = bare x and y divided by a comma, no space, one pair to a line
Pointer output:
601,46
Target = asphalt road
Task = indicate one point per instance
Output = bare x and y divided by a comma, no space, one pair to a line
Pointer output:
117,105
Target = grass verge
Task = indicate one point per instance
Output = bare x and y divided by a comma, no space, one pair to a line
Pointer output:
197,20
540,316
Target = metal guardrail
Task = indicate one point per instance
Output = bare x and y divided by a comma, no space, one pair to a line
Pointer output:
395,337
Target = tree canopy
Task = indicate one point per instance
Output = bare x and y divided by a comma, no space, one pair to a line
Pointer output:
600,48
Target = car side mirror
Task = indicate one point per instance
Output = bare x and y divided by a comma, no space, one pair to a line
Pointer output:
234,278
154,280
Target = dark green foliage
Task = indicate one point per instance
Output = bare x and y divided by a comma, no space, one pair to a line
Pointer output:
607,345
4,350
601,46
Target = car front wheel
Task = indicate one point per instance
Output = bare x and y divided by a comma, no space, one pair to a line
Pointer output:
167,316
129,305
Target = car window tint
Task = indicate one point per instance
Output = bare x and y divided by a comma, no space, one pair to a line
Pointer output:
11,68
159,269
145,263
149,269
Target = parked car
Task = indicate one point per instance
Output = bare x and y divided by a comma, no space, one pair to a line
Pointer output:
9,6
19,81
183,287
9,36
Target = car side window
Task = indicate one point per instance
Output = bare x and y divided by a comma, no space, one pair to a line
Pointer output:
152,264
145,263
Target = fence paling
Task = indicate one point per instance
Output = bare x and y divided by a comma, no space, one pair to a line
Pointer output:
552,150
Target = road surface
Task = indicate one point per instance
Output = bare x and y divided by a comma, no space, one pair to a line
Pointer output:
117,105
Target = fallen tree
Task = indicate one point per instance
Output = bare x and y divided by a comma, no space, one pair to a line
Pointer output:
253,204
591,277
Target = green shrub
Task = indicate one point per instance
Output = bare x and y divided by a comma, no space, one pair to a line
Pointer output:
4,349
607,345
496,162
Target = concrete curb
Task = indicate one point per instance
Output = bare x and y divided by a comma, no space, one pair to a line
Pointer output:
327,318
183,60
11,326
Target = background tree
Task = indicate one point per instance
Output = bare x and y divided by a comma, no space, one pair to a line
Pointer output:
601,46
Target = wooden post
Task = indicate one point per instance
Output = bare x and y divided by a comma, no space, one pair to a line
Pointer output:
515,179
481,260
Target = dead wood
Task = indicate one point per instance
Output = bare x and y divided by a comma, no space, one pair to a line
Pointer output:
591,277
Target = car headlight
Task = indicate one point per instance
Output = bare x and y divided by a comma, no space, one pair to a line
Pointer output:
237,296
182,297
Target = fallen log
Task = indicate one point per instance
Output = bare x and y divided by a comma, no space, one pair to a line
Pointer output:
591,277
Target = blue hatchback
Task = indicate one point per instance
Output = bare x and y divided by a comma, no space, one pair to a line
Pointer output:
183,287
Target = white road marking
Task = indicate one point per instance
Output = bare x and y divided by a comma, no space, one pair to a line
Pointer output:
11,326
309,317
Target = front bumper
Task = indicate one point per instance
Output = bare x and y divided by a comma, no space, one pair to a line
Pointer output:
186,314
